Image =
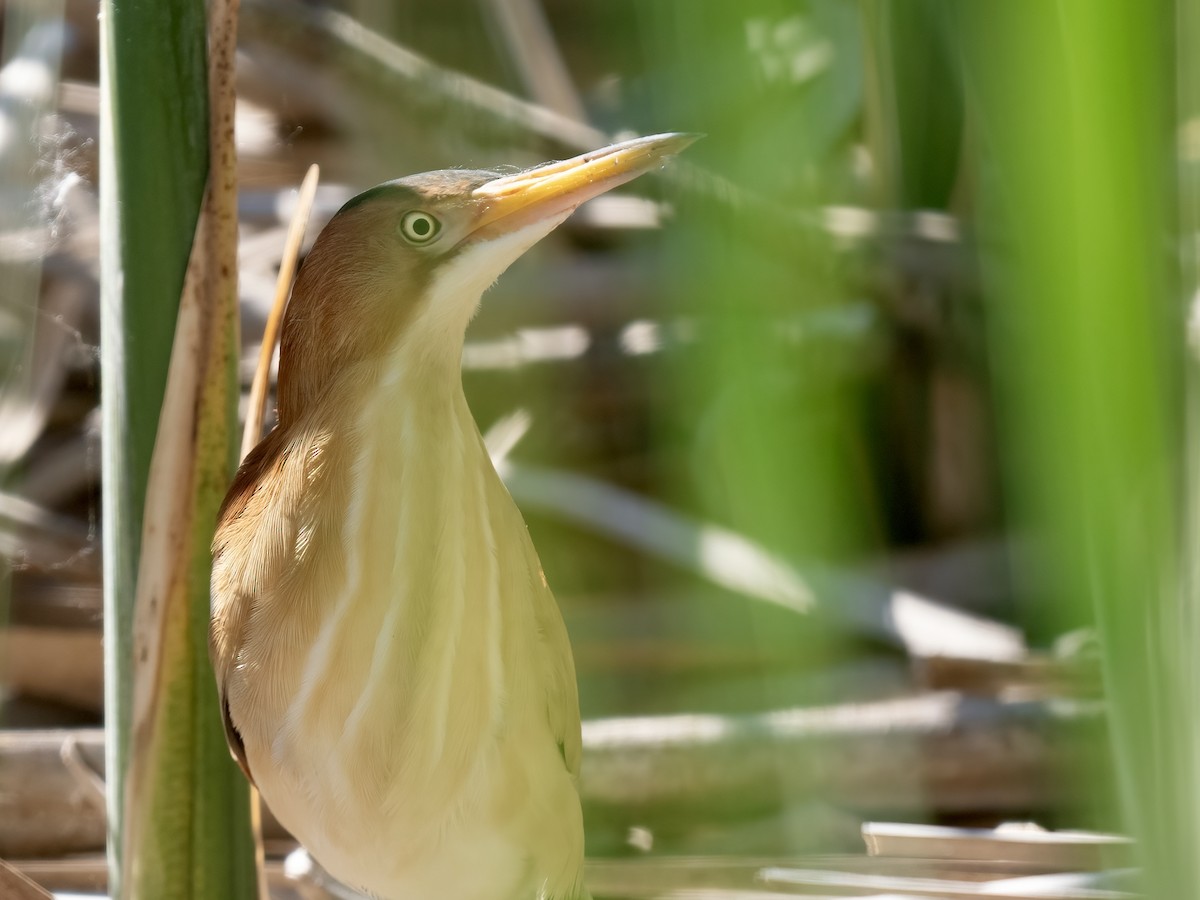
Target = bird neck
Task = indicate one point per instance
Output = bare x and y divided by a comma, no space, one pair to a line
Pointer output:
423,385
418,372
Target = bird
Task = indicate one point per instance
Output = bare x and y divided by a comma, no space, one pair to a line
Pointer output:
393,671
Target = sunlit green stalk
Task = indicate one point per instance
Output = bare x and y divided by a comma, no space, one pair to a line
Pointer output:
1077,114
192,838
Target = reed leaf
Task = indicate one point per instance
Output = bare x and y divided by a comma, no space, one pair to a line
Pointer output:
1087,334
179,811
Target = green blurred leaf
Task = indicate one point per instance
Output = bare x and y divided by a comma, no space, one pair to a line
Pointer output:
1087,334
920,100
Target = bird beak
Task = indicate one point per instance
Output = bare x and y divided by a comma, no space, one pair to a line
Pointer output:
510,203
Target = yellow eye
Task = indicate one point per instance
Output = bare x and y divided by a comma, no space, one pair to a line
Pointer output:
419,227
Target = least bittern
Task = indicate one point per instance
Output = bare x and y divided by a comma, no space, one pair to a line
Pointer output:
394,672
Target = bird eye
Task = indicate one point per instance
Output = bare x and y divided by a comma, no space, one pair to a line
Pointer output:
419,227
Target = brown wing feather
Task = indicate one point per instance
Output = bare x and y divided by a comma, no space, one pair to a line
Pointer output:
227,604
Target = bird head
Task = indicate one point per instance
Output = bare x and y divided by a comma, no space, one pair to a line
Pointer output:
402,266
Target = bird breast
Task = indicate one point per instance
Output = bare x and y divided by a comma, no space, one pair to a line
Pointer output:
385,621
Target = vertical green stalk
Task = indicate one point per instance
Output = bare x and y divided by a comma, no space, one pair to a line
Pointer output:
1187,23
154,155
178,809
1077,113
